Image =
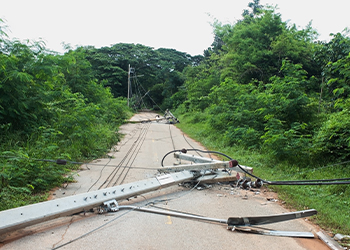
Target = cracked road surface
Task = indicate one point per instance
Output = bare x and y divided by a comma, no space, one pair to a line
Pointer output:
137,157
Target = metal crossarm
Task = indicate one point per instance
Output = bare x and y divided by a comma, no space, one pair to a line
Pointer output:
260,220
272,232
196,166
207,163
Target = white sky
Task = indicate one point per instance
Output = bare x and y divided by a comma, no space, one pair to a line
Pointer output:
181,24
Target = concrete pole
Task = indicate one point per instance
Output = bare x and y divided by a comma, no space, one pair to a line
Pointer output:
128,84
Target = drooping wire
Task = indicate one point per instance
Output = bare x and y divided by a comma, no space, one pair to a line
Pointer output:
131,152
191,145
111,176
58,161
290,182
314,169
100,174
151,98
118,217
136,153
139,93
94,230
105,165
300,182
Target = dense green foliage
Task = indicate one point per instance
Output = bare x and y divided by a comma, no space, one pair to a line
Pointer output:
51,107
273,90
69,106
266,85
159,71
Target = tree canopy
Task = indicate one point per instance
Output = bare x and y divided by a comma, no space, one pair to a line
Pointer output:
266,84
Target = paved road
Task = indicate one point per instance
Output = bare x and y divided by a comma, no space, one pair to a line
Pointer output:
137,157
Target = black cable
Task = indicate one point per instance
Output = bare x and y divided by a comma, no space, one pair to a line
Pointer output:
292,182
289,182
313,169
100,174
191,145
118,166
90,232
131,151
299,182
104,165
136,153
322,182
96,164
151,98
339,179
58,161
141,97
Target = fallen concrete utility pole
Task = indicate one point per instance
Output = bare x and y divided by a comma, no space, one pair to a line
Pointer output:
157,119
167,116
20,217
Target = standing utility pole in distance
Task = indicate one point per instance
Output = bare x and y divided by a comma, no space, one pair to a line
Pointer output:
128,84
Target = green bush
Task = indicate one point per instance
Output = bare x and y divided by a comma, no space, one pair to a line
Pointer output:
245,136
333,138
286,143
51,107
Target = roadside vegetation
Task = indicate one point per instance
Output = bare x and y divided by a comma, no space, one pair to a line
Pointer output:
69,106
273,97
51,107
331,202
266,92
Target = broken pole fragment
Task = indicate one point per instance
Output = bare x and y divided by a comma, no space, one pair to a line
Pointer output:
167,116
147,120
261,220
272,232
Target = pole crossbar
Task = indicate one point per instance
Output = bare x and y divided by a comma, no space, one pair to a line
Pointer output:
206,163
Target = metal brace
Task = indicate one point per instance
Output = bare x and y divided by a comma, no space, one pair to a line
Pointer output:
110,206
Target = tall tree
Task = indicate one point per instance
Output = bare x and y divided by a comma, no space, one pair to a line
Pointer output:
256,8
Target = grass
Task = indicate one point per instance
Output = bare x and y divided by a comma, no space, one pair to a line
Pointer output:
332,201
15,197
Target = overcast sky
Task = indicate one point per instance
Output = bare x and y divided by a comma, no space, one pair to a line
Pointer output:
182,24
